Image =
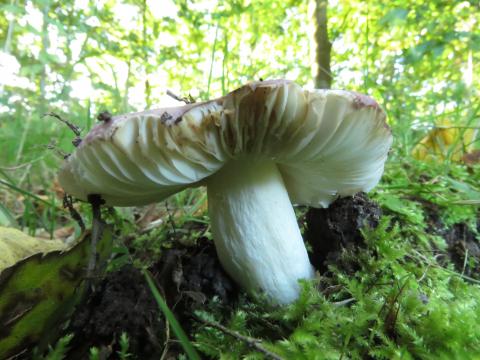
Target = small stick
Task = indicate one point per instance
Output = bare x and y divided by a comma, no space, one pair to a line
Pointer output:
68,204
76,130
186,100
251,342
97,229
465,262
53,146
167,340
171,220
343,302
455,127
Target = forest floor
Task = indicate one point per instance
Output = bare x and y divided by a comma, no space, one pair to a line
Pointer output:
397,278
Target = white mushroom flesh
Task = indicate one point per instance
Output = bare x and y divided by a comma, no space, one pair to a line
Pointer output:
255,229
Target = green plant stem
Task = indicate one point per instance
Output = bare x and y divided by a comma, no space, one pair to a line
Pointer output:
177,329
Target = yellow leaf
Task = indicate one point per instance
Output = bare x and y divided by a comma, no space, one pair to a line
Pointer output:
16,245
445,141
41,288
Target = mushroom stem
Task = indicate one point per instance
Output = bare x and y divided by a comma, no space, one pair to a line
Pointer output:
255,229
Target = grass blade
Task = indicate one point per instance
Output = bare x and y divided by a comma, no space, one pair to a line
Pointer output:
6,217
212,60
177,329
29,194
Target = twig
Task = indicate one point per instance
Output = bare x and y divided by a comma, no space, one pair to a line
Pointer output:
76,130
465,262
186,100
13,168
464,277
343,302
455,127
97,229
53,146
171,220
424,274
68,204
167,340
251,342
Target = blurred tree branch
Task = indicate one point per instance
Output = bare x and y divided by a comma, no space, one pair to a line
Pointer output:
323,78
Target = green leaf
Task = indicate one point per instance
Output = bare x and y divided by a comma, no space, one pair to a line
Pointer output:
463,187
15,246
6,217
13,9
394,17
40,291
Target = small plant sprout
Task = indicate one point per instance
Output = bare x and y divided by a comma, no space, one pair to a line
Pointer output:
258,150
124,342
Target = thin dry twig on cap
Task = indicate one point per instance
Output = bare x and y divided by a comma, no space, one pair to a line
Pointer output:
186,100
75,129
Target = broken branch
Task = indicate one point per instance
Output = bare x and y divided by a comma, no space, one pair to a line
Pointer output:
186,100
76,130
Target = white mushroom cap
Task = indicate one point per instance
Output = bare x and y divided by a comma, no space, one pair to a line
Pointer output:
257,149
327,143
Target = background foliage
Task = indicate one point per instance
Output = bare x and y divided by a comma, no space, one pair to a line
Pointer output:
80,57
418,59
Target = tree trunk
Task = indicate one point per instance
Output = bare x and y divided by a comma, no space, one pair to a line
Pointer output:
323,78
11,25
43,53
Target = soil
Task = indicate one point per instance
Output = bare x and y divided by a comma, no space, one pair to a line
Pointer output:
463,244
191,277
122,302
329,231
464,249
188,277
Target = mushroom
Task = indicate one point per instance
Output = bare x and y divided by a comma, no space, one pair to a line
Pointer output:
258,149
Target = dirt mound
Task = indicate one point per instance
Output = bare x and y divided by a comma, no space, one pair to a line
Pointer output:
463,244
188,277
191,276
464,249
122,302
337,227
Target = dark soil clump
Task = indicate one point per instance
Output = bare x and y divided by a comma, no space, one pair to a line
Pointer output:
187,276
192,276
122,302
464,249
335,229
463,244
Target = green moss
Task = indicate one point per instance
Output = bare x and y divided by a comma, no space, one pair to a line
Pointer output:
399,304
